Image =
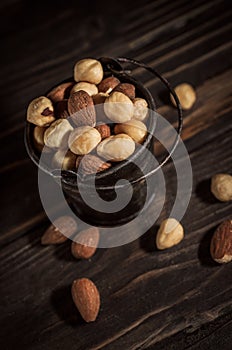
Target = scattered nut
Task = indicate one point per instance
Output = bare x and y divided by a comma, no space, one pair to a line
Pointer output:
61,109
86,243
170,233
116,148
104,130
126,89
40,111
88,70
118,107
134,128
140,109
221,187
91,164
60,92
86,298
108,84
56,136
83,140
221,243
57,233
91,89
186,94
81,109
65,160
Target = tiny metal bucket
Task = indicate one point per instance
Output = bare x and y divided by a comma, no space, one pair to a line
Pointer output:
105,183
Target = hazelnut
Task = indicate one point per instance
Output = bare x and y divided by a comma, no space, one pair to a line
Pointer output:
108,84
140,109
104,130
40,111
221,187
221,243
88,70
99,98
81,109
61,109
91,89
60,92
38,134
116,148
65,160
86,243
170,233
134,128
91,164
56,136
186,94
83,140
118,107
126,89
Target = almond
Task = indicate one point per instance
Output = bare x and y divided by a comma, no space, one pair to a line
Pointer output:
81,109
86,298
57,233
104,130
91,164
126,89
221,243
108,84
60,92
86,243
61,109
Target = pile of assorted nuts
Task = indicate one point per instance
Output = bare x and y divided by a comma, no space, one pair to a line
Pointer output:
69,123
92,115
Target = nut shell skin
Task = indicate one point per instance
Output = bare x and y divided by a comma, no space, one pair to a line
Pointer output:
40,111
85,244
116,148
81,109
186,94
83,140
86,298
221,243
221,187
89,70
170,233
118,107
134,128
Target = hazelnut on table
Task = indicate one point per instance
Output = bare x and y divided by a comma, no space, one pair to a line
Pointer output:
221,187
170,233
186,94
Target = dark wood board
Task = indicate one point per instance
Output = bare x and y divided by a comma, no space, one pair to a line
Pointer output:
175,299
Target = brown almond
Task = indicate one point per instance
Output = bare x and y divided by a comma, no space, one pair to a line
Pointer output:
60,92
86,243
57,233
126,89
104,130
81,109
86,298
108,84
221,243
92,164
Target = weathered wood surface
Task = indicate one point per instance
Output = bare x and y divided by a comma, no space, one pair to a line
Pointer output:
175,299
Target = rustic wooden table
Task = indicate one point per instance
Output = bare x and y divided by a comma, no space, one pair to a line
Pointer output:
175,299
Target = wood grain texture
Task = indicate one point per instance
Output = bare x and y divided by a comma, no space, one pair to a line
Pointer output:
174,299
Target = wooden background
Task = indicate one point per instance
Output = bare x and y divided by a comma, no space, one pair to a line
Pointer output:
176,299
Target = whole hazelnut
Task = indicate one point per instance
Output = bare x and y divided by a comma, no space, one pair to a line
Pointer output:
134,128
65,160
186,94
83,140
108,84
118,107
38,134
126,89
116,148
221,187
91,164
40,111
60,92
89,70
170,233
140,109
56,136
91,89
